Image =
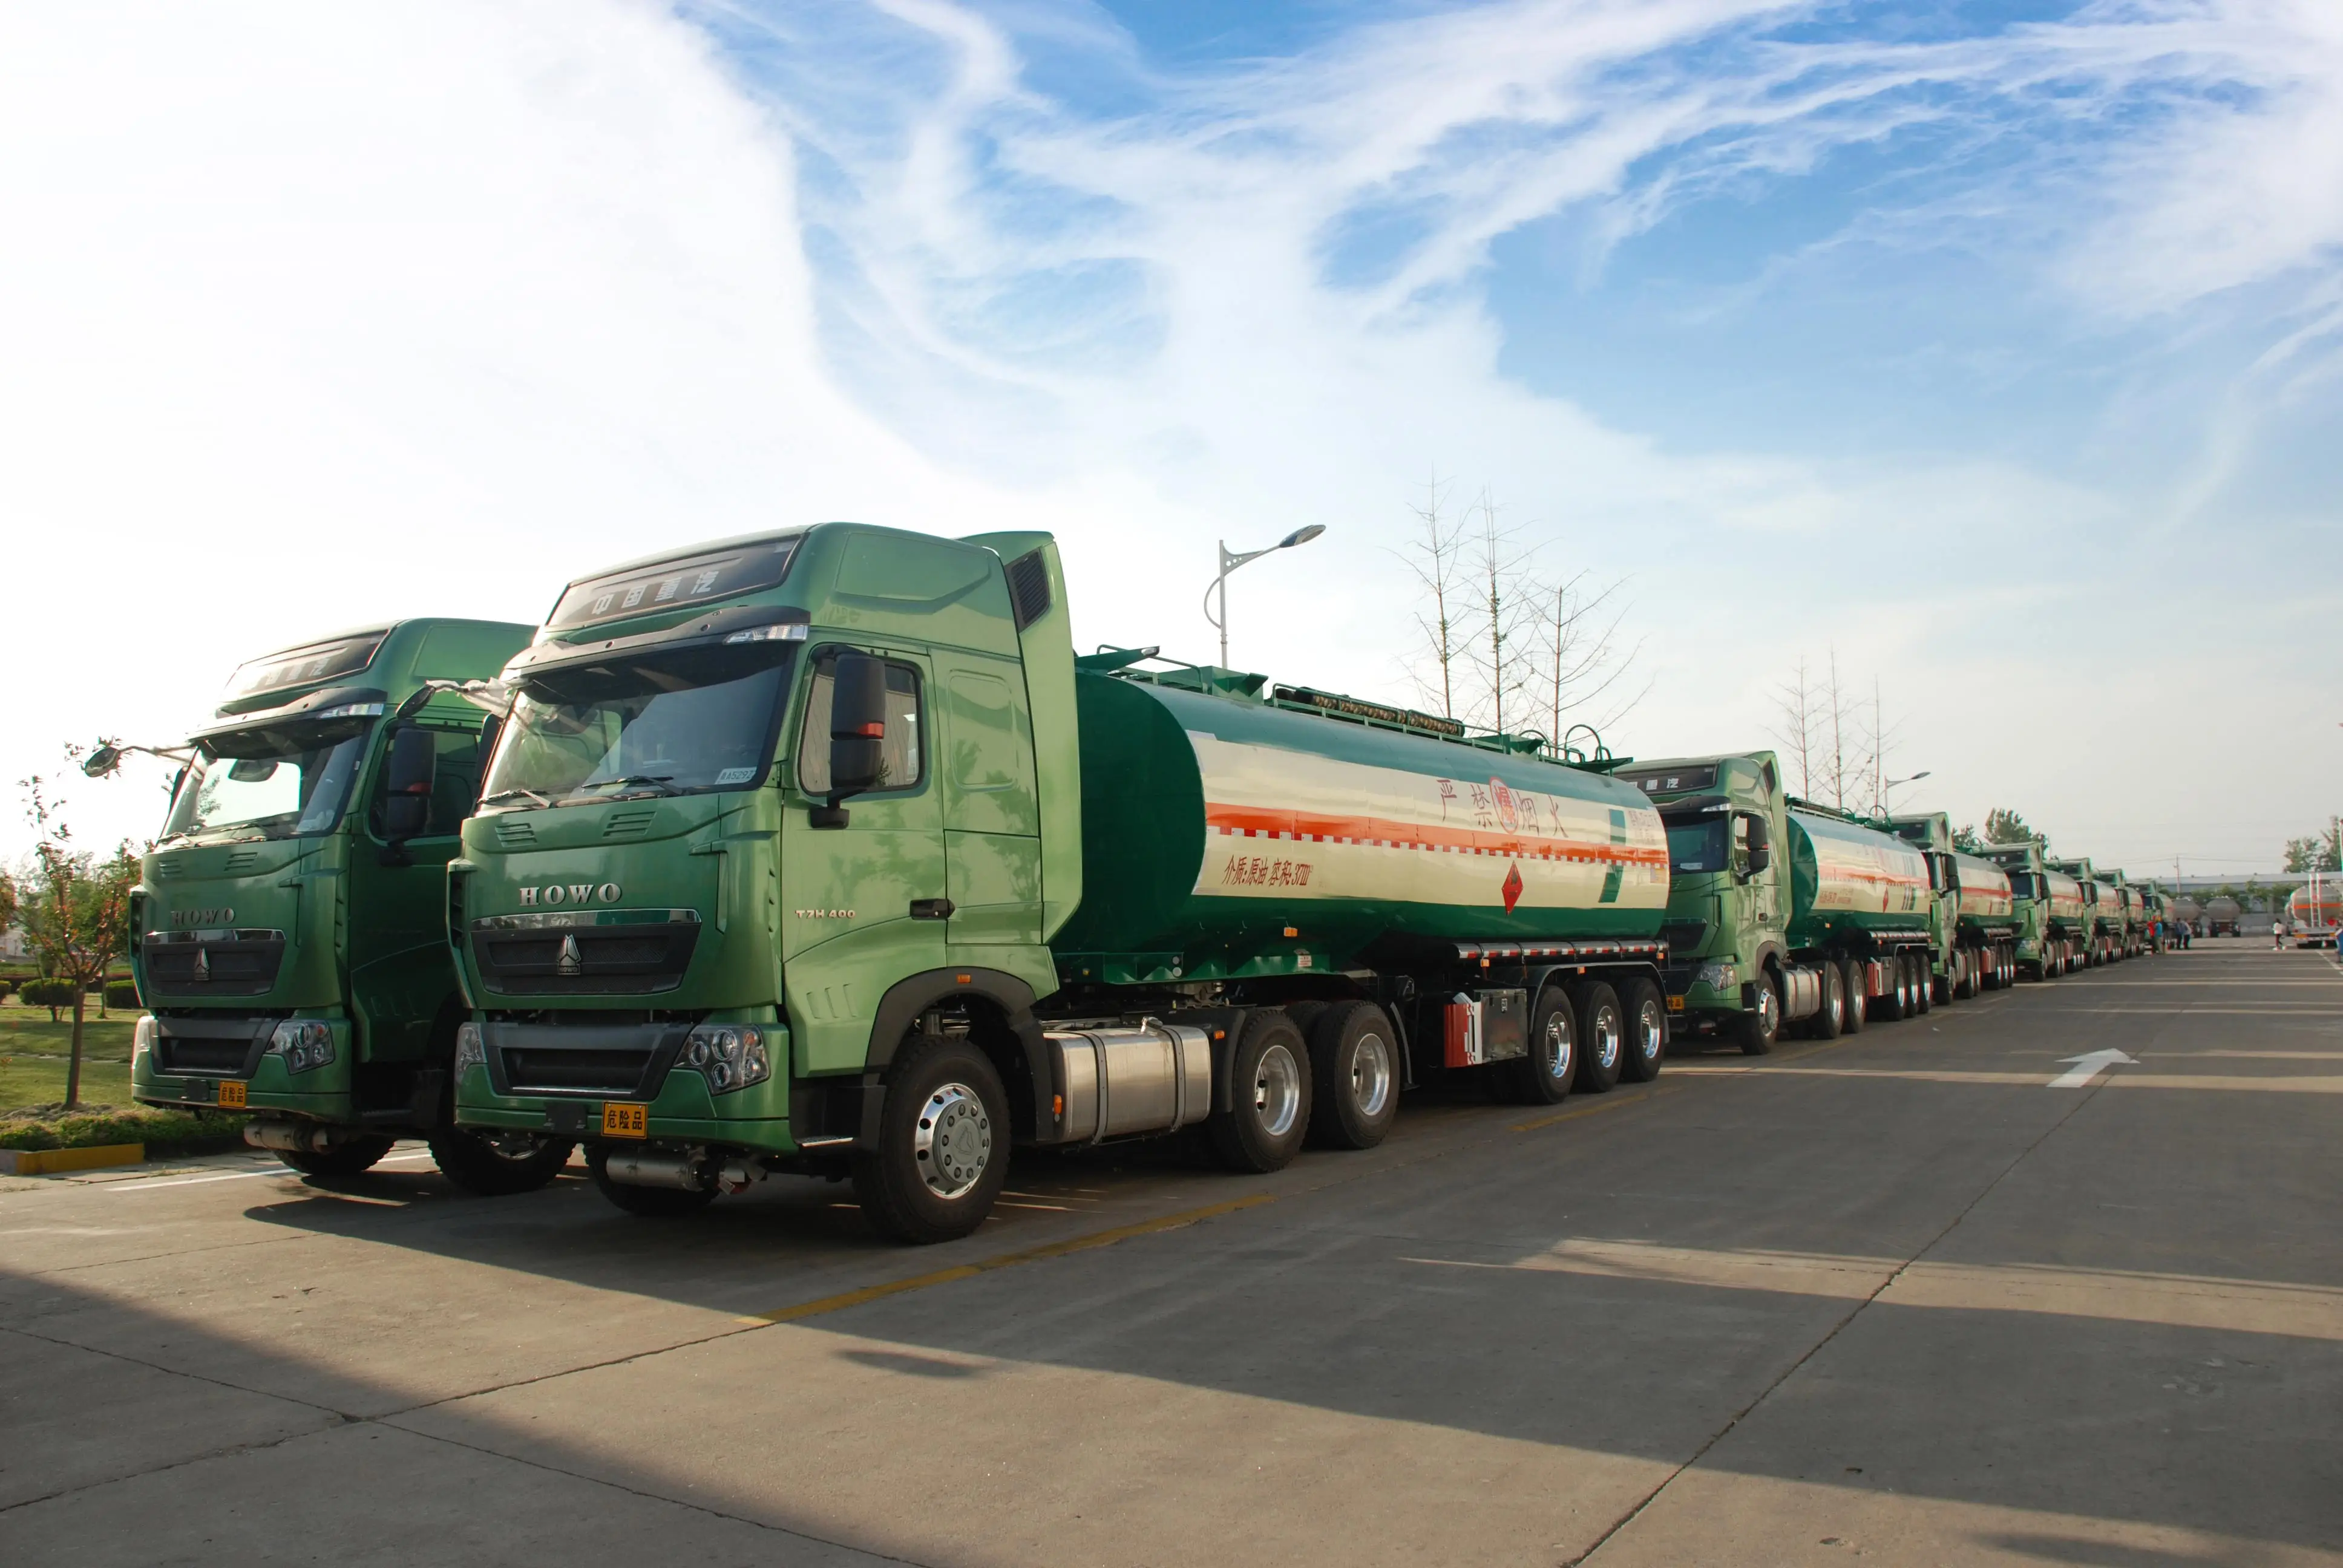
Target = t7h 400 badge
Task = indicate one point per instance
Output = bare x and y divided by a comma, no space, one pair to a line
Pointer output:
571,893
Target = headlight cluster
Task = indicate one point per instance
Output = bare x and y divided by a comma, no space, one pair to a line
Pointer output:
303,1043
143,1038
468,1050
730,1056
1718,975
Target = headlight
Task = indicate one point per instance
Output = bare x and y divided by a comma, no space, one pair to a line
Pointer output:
468,1051
1719,974
303,1043
141,1038
728,1055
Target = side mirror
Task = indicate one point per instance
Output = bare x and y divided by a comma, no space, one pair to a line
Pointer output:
1761,845
858,733
407,779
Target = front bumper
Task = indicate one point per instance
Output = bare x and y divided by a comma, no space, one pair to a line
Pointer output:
1687,994
194,1056
558,1078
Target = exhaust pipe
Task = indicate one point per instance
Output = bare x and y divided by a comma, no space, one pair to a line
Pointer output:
648,1170
292,1137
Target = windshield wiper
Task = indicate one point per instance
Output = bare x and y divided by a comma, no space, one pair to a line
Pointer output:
658,782
508,794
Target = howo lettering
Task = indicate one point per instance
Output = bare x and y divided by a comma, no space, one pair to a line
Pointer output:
906,883
288,931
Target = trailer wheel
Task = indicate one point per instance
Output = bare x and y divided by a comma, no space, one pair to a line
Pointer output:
1889,1008
1354,1073
1856,989
355,1158
1544,1076
1268,1096
1647,1031
1830,1019
1762,1026
943,1144
1923,982
483,1168
1601,1037
649,1203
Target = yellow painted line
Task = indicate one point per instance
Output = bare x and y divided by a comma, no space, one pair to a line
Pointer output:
868,1294
1534,1122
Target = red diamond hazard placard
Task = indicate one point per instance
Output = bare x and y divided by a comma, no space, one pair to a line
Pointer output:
1512,886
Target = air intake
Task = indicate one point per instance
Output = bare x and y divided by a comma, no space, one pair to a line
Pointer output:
1028,588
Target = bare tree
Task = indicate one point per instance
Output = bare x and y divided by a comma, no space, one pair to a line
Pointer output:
1820,726
1579,659
1437,557
1499,656
1797,709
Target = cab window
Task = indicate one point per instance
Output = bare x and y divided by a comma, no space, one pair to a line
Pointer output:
454,782
903,760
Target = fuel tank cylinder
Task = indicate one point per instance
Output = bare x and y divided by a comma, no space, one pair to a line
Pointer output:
1846,880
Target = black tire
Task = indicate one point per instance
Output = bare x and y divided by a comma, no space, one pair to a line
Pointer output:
1355,1072
1830,1019
1858,1001
1546,1075
1269,1097
1924,983
1646,1011
943,1144
342,1161
1888,1008
481,1168
1601,1037
650,1202
1760,1028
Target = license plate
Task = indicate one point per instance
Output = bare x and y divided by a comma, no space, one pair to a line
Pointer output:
1675,1004
626,1121
231,1093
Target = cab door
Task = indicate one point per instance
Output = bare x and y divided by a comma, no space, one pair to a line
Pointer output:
993,818
401,975
861,905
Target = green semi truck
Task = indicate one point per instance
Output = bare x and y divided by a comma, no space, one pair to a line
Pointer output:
821,851
2053,918
1973,928
288,926
1782,912
2101,922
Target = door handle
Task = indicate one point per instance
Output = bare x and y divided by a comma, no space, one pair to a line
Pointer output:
931,909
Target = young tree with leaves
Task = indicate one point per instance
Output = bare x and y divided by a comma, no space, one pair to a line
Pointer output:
76,914
2003,826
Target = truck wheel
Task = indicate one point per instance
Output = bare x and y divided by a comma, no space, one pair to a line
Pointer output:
1601,1037
943,1144
486,1169
1647,1031
1830,1020
1269,1097
1888,1007
650,1202
1924,983
355,1158
1354,1070
1544,1076
1856,991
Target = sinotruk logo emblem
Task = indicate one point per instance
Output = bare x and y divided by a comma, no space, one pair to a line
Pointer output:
571,893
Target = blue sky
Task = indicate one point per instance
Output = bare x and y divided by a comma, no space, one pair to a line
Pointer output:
1989,346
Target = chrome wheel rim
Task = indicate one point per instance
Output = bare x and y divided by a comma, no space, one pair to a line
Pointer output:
1607,1034
1561,1051
953,1142
1276,1092
1370,1075
1768,1006
1648,1031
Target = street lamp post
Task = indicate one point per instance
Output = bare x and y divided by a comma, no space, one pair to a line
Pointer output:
1892,783
1230,561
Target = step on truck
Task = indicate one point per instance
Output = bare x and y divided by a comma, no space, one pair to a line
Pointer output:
1782,914
2053,927
1972,923
820,852
288,926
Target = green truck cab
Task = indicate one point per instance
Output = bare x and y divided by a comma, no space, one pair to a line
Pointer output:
819,853
2053,918
2098,925
288,929
1782,913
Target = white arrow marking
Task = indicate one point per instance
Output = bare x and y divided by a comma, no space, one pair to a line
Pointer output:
2087,1067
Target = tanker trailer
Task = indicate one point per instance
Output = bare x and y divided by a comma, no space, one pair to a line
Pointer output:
2222,913
1972,949
1987,927
819,852
2313,910
2101,916
1780,913
2048,906
2187,918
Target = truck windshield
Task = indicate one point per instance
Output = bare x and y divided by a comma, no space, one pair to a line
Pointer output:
654,723
2021,885
280,783
1697,844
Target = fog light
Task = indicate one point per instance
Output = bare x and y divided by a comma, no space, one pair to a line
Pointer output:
305,1043
730,1056
468,1050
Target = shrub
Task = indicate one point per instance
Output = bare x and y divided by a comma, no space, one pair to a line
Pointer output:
122,994
53,994
165,1132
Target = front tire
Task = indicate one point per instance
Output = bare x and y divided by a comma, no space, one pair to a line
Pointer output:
1354,1075
484,1170
1269,1097
342,1161
1761,1027
1647,1031
943,1144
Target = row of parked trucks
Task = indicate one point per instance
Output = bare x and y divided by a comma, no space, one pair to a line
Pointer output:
822,851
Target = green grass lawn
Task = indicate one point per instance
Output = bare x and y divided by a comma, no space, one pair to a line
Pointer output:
41,1081
27,1030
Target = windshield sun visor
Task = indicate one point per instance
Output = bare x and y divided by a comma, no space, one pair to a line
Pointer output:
739,626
